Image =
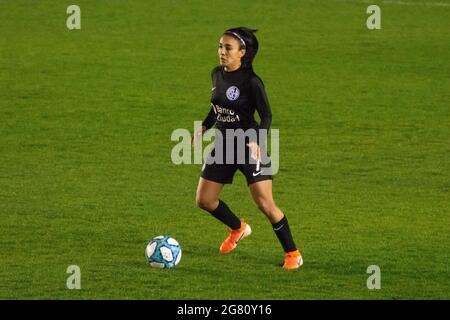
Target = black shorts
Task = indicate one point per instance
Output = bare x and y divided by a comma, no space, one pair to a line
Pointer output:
223,172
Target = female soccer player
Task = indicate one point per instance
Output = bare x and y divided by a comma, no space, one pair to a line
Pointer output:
236,93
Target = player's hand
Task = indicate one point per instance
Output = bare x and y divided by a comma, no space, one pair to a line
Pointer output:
256,150
198,135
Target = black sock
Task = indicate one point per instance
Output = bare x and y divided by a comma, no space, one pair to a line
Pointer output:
284,234
224,214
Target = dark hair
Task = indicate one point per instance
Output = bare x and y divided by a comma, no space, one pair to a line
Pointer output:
248,41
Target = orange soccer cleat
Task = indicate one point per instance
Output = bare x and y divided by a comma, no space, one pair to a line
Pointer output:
292,260
235,235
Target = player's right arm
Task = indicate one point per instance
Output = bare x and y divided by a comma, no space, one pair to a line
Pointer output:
210,119
198,134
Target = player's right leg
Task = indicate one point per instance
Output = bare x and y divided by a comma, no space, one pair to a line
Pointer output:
207,198
234,236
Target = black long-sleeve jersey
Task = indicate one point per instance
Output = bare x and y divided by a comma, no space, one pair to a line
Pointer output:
235,97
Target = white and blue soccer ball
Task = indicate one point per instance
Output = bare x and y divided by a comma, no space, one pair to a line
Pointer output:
163,252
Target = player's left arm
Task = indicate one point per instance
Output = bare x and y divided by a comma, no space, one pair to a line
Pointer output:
262,105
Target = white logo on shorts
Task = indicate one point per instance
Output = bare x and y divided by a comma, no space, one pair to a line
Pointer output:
233,93
257,173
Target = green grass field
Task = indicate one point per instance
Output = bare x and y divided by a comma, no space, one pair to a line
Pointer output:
86,176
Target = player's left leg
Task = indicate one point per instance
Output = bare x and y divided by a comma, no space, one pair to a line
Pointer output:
262,195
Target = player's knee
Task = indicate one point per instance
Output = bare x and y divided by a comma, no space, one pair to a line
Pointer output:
267,207
205,203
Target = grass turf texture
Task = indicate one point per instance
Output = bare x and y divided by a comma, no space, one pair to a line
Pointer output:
85,170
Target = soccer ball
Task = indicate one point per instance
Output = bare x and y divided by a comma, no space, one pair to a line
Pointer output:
163,252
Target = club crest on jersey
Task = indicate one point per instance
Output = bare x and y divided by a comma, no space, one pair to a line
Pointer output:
233,93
